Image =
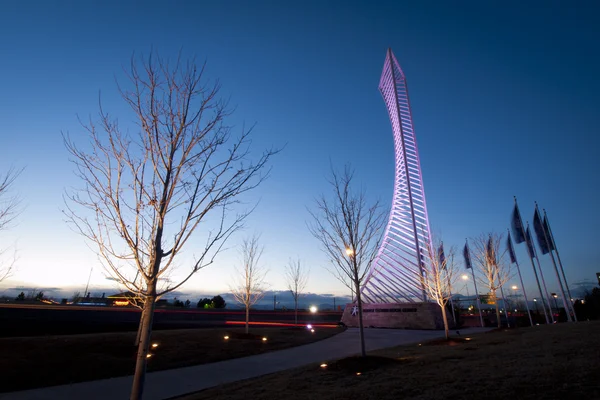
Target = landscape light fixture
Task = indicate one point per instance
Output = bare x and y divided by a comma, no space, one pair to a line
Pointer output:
312,330
154,345
226,337
264,339
309,326
323,365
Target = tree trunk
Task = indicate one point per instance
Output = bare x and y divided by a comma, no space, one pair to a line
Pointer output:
497,310
445,319
144,344
139,331
296,310
361,331
247,317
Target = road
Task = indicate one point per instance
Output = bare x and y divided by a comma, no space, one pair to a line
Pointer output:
42,319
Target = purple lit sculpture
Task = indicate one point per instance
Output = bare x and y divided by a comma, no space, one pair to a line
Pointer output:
396,274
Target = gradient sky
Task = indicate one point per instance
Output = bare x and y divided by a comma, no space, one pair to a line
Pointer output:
504,98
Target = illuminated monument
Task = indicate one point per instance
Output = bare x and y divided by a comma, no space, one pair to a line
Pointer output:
393,290
396,273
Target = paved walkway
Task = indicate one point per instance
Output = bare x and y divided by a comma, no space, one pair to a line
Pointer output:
176,382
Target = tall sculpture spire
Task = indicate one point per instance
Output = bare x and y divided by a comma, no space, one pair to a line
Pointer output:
398,271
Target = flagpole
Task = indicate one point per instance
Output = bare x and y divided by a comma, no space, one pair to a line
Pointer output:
521,280
503,298
476,292
559,263
560,285
519,229
477,297
541,275
451,302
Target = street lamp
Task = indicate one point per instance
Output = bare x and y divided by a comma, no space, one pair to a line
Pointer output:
313,309
350,254
555,303
514,288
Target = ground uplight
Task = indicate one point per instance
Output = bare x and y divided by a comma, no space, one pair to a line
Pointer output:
323,365
264,339
309,326
226,337
148,355
312,330
154,345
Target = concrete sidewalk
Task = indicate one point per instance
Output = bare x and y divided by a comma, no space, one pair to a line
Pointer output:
176,382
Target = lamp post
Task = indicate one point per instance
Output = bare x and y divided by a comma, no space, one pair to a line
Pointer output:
350,253
515,295
536,306
465,278
555,303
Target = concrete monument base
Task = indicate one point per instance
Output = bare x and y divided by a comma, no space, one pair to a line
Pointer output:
397,315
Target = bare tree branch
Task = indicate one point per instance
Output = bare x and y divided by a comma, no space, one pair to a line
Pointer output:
250,286
296,278
145,193
9,210
349,231
491,263
440,276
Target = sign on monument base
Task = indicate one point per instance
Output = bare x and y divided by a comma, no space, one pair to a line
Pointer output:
397,315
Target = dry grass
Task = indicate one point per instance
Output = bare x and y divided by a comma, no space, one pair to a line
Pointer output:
546,362
32,362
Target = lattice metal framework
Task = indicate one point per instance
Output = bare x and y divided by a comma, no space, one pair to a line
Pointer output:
396,274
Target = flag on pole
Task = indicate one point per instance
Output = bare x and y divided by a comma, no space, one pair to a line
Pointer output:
442,256
511,250
539,232
529,242
467,257
551,244
517,225
490,249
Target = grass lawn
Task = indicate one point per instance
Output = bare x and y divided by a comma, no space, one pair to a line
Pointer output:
546,362
33,362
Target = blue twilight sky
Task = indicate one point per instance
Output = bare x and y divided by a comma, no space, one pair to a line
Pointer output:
504,98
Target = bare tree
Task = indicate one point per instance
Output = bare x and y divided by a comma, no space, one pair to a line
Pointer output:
349,231
9,210
296,277
440,276
145,193
491,262
251,285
